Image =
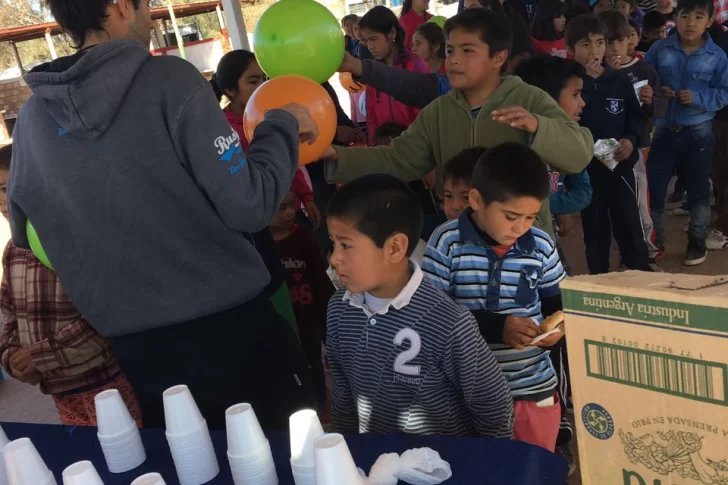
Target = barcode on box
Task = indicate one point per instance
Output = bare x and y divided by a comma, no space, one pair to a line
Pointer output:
698,380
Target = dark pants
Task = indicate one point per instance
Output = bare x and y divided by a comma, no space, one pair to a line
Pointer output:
246,354
720,173
693,146
613,211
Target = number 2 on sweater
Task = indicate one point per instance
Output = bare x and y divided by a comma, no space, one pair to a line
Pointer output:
401,365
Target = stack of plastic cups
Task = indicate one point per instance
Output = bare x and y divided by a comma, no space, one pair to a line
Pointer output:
24,465
334,464
305,428
251,461
149,479
81,473
3,441
118,433
188,438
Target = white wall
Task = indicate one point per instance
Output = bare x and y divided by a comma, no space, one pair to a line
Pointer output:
204,55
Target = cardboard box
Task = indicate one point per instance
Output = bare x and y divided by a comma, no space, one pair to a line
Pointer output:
648,355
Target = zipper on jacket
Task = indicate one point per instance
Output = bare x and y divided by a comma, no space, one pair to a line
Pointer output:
472,124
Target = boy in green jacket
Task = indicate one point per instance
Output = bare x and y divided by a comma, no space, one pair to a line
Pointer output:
483,109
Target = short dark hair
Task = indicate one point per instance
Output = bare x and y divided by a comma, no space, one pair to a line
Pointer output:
511,170
653,21
433,34
581,27
229,71
549,73
617,25
379,206
690,5
542,26
493,28
79,17
386,132
460,167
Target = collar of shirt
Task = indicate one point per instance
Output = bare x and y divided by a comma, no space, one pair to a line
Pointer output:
470,234
400,301
709,46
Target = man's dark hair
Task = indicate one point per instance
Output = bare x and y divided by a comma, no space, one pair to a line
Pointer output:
379,206
690,5
617,25
460,167
493,28
653,21
79,17
581,27
511,170
549,73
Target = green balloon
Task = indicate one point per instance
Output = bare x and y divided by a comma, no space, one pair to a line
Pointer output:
35,245
439,20
299,37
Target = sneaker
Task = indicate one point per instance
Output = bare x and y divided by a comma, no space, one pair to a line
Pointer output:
681,211
716,240
696,253
678,196
654,266
564,451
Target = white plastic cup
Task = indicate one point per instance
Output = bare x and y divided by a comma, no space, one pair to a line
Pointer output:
125,454
333,462
112,416
81,473
303,475
24,465
244,434
181,414
196,464
305,429
149,479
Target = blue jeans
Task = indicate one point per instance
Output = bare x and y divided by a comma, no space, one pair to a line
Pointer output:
693,146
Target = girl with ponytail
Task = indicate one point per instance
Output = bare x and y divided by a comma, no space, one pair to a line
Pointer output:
385,38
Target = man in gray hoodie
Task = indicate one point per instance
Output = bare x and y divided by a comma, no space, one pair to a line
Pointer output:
144,200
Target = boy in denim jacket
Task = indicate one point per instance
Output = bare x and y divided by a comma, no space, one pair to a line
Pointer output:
694,75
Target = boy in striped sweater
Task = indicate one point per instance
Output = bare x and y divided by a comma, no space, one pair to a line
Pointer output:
494,262
403,356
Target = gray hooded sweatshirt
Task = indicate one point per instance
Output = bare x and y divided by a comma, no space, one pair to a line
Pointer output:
139,189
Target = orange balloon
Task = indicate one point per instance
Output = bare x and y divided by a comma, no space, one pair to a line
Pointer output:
283,90
348,83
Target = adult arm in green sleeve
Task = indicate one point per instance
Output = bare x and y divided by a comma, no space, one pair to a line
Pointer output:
561,142
409,157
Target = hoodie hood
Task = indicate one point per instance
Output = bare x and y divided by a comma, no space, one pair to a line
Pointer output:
83,92
507,86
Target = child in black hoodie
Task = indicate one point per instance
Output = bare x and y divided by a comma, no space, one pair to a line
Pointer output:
612,111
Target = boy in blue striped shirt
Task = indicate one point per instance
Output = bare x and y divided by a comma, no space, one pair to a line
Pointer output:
403,356
507,273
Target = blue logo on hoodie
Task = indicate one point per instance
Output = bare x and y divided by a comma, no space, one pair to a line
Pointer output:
230,149
62,132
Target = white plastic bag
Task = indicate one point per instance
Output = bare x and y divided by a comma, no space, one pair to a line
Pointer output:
420,466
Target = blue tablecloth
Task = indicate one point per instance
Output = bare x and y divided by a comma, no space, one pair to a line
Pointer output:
474,461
